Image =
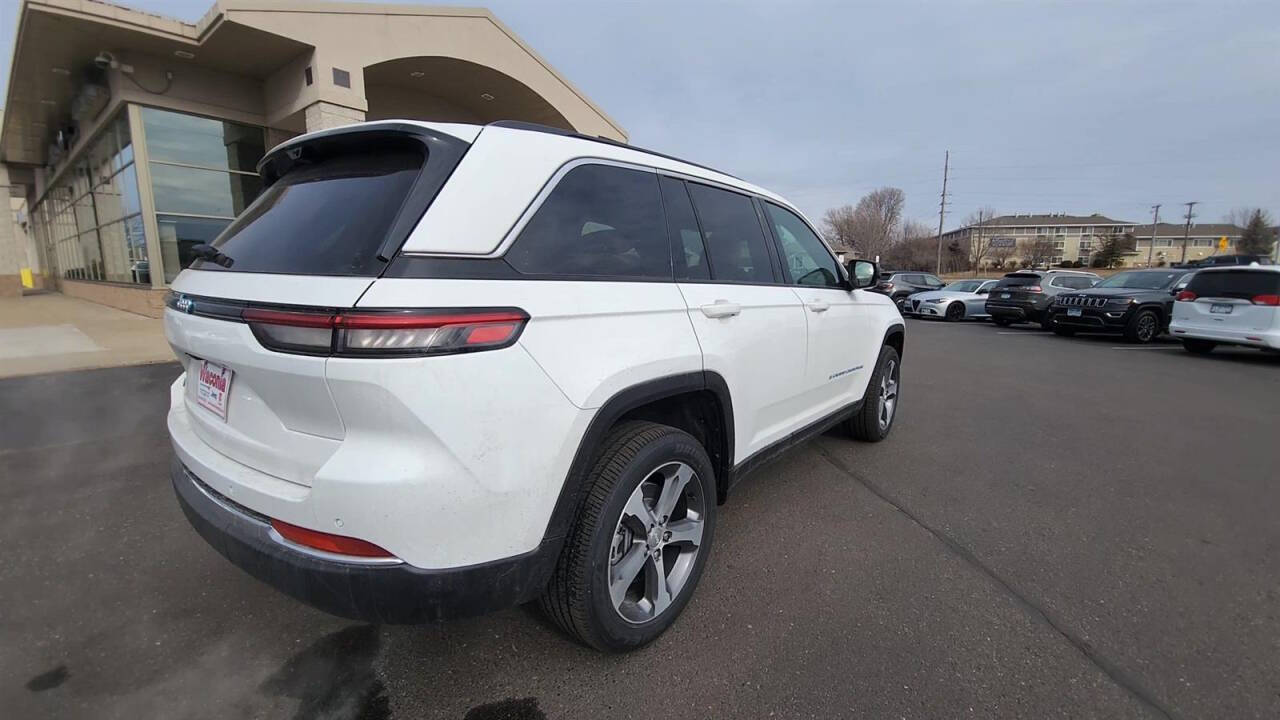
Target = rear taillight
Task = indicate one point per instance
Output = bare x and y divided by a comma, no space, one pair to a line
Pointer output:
1185,296
338,544
396,333
1031,288
885,286
1266,300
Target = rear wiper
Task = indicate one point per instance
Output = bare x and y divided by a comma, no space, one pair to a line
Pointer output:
205,251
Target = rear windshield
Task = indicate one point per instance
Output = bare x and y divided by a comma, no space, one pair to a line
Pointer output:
1148,280
1018,280
327,217
1235,283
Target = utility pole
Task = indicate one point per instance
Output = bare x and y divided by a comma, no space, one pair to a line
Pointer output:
1186,231
942,208
1155,230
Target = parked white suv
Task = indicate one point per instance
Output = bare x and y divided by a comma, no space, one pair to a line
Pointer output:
1229,306
437,369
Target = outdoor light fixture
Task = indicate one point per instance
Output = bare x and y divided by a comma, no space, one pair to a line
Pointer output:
61,71
417,73
486,96
184,54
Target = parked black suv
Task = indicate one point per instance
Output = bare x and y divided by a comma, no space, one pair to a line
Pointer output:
1024,296
898,285
1137,303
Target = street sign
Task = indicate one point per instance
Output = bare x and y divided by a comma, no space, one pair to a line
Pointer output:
1222,243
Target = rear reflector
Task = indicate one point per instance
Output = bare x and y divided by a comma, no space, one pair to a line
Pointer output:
1186,296
396,333
337,544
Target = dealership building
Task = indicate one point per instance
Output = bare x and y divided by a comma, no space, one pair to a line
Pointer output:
129,137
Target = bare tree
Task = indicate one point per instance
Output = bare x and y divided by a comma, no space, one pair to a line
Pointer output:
1239,216
839,223
1000,254
877,221
1038,251
979,240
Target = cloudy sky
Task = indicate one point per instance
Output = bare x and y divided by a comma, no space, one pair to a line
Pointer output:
1071,107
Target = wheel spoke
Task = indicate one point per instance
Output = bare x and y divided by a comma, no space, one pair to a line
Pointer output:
672,489
624,573
636,508
657,592
891,392
685,531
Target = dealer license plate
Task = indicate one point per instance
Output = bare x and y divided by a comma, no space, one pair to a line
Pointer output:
1220,308
213,387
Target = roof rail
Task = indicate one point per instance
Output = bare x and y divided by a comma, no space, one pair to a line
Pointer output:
537,127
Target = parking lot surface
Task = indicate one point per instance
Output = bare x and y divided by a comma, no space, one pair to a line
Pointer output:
1056,528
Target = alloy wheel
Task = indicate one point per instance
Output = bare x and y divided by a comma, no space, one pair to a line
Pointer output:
888,401
1146,327
656,542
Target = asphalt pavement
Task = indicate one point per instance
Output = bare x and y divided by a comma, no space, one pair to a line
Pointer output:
1056,528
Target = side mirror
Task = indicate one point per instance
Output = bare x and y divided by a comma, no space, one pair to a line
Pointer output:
862,273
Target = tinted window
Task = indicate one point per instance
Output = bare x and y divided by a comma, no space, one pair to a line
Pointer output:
600,220
688,253
1235,283
914,279
803,254
1078,282
1018,280
1142,280
932,280
734,236
327,217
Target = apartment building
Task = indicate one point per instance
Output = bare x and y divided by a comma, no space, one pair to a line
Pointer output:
1011,239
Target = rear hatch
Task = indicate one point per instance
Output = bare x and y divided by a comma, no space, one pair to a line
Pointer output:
335,208
1231,300
1017,288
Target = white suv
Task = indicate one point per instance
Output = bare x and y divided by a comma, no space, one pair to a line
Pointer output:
435,370
1229,306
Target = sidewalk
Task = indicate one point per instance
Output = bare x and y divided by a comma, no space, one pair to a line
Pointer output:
52,332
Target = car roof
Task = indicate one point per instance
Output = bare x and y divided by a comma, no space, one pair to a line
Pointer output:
1237,268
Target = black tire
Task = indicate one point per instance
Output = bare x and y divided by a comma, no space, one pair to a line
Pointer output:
955,312
865,425
1046,322
1143,327
1198,347
1063,331
577,596
1002,322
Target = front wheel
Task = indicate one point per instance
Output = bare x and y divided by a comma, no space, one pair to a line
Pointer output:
640,541
1143,328
874,419
955,312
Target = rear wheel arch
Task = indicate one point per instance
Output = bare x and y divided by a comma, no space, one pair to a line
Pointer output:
698,403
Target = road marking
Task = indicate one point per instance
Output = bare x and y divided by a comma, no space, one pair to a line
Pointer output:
1126,347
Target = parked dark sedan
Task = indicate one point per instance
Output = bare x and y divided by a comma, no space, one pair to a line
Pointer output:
1137,304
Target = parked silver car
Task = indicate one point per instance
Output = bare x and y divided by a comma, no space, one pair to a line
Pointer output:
957,301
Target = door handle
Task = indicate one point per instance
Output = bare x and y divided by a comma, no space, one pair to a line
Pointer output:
721,309
818,306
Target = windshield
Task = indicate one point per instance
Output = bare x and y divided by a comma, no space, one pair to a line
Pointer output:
964,286
1141,280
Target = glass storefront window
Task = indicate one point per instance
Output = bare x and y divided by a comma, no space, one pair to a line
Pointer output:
202,142
192,191
88,217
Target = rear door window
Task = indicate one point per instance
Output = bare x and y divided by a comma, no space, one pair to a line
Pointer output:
328,216
734,236
599,221
804,256
688,252
1243,284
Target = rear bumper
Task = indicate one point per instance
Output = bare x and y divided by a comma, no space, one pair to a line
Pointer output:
1027,312
1269,339
395,593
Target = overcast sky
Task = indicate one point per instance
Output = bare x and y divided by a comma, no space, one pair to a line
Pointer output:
1074,107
